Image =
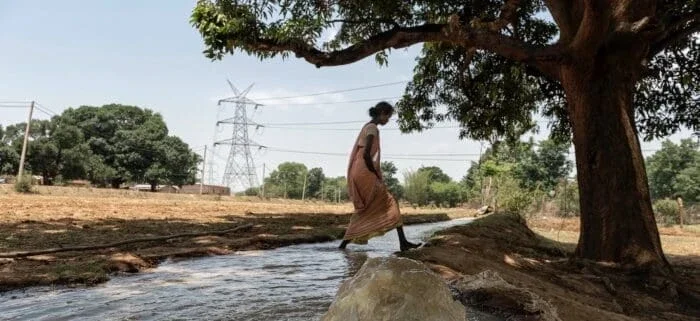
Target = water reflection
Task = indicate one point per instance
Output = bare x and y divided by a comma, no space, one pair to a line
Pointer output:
291,283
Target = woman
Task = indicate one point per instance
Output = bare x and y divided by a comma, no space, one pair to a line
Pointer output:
376,211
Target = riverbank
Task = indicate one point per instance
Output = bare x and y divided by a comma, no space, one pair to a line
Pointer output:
537,269
60,218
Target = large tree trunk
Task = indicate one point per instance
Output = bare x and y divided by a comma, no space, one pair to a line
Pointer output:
617,221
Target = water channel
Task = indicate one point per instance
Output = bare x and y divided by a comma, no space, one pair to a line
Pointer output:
290,283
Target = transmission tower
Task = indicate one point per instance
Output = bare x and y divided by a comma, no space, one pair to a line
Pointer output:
240,167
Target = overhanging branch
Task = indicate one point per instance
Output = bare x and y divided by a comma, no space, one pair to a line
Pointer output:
543,58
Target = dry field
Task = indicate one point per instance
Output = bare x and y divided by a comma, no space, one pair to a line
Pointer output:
61,217
678,243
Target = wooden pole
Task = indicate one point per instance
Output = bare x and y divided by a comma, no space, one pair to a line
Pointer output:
23,157
681,211
303,191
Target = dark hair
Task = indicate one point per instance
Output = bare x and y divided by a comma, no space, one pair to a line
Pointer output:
381,107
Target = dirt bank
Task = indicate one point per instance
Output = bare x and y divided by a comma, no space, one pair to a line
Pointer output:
538,272
69,217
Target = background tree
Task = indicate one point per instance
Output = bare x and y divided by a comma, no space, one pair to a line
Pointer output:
107,145
417,187
435,174
389,171
601,67
545,167
314,182
288,179
673,170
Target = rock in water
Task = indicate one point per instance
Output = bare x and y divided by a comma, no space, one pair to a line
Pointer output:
393,289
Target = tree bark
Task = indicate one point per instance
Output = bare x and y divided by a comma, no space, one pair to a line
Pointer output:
617,221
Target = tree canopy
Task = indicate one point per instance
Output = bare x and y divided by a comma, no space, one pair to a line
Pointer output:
674,171
491,64
601,71
107,145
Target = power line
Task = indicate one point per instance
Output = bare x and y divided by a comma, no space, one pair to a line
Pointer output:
337,102
46,108
336,91
317,123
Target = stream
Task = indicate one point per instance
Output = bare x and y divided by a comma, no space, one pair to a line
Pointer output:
289,283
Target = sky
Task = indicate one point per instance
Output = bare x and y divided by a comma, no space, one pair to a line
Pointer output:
145,53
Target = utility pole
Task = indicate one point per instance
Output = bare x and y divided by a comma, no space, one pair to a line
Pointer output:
303,191
204,166
20,173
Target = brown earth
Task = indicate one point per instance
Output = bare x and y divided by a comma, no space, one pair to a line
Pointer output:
61,217
542,270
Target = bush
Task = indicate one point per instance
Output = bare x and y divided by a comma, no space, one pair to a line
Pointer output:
446,194
512,198
23,184
518,203
667,211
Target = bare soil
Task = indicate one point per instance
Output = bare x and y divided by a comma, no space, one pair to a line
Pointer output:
542,268
61,217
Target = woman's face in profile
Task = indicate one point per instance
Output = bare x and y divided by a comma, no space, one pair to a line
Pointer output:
384,118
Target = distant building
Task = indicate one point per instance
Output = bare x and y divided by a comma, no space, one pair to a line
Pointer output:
206,189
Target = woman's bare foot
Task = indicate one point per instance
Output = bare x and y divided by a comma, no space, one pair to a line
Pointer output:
408,245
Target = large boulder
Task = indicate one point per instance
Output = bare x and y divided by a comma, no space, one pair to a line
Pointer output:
391,288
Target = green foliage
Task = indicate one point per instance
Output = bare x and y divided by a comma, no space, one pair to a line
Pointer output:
336,189
23,184
667,211
287,180
435,174
417,187
446,194
545,167
9,160
389,171
107,145
674,170
315,182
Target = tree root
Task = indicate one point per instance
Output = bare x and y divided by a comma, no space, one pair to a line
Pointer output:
20,254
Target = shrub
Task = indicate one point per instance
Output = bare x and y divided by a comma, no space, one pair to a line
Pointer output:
667,211
512,198
446,194
23,184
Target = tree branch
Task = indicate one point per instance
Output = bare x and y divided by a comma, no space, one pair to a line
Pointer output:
677,31
387,21
455,32
592,28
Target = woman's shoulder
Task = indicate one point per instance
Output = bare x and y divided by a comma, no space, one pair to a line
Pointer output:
371,128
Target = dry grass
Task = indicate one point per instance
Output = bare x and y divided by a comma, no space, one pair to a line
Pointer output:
53,203
674,240
66,217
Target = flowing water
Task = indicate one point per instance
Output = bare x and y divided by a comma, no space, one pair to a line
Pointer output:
289,283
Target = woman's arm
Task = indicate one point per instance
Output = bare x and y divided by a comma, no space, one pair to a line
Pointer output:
368,154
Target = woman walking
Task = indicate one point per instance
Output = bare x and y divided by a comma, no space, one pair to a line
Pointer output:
376,210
